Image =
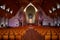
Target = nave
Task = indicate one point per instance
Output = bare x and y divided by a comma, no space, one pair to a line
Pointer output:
30,32
29,19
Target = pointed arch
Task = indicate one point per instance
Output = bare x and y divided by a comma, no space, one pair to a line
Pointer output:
30,4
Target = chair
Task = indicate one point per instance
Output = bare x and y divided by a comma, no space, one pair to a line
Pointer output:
59,36
5,37
18,37
0,37
11,37
48,36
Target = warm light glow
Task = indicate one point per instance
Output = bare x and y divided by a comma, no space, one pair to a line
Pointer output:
30,20
8,9
3,7
53,9
30,4
11,11
50,11
58,6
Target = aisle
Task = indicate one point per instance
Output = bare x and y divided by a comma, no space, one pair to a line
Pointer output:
32,35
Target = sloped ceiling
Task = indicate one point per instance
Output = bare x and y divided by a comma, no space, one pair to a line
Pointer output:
15,5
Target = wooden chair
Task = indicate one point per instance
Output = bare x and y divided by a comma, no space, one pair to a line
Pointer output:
5,37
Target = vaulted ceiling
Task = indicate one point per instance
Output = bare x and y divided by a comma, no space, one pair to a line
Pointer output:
15,5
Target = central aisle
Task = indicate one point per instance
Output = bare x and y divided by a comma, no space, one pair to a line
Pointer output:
32,35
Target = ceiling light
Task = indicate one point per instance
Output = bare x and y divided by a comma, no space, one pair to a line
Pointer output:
3,7
0,6
58,6
53,9
8,9
50,11
58,24
11,11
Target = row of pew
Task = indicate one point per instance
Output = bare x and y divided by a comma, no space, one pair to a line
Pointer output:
17,33
49,33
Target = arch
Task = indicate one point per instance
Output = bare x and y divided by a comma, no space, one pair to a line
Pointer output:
30,4
30,11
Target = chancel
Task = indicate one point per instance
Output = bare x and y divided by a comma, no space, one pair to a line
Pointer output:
29,19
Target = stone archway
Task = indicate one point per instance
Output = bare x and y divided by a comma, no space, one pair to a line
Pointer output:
30,12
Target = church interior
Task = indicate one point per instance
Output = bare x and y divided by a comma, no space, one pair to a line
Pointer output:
29,19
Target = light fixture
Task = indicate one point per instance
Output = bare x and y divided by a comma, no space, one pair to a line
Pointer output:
3,7
53,9
11,11
50,11
58,24
58,6
8,9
